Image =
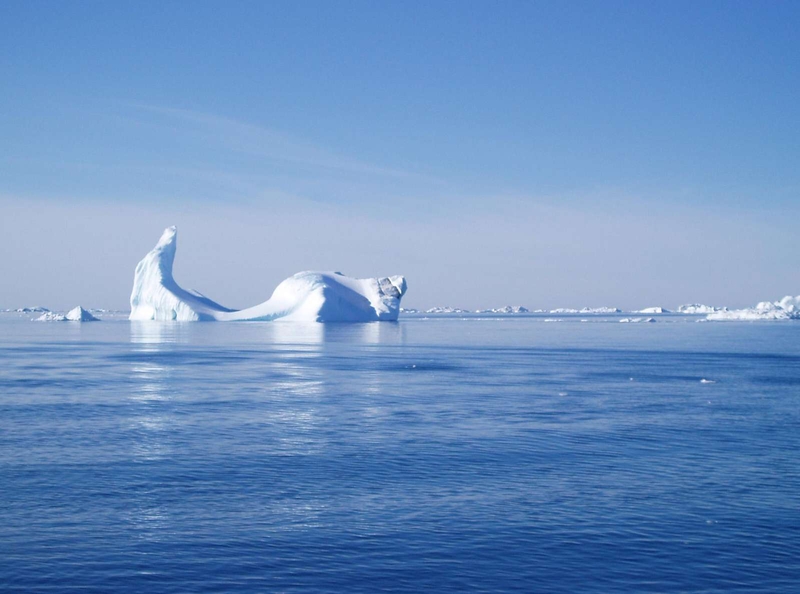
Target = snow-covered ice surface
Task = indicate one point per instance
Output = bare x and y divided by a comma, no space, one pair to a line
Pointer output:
306,296
787,308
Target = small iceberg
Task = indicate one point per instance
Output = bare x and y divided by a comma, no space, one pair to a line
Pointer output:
653,310
80,315
600,310
787,308
508,309
637,320
697,308
447,310
306,296
77,314
586,310
50,316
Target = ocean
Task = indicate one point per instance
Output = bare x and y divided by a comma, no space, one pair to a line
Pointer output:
434,454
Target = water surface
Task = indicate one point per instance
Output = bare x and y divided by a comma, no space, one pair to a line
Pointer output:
448,454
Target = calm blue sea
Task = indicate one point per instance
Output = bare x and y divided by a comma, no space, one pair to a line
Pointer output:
429,455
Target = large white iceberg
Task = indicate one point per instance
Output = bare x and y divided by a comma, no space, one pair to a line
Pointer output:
306,296
787,308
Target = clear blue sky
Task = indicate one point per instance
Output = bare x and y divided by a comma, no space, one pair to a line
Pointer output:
542,153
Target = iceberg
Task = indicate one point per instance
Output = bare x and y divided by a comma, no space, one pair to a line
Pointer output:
697,308
787,308
653,310
77,314
600,310
49,316
306,296
585,310
508,309
446,310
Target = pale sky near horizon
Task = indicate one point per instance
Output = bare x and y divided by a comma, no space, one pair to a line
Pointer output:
549,154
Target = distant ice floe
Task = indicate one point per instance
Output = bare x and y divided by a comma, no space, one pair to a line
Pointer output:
77,314
600,310
586,310
446,310
637,320
508,309
34,309
306,296
787,308
653,310
697,308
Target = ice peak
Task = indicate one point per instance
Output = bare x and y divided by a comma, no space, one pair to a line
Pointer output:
79,314
159,261
169,236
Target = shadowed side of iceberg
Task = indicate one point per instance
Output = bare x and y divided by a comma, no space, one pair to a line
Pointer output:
306,296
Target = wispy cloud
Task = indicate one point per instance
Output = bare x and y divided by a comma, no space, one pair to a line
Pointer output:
262,142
